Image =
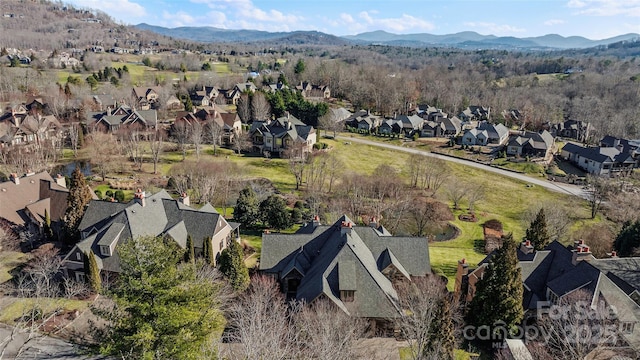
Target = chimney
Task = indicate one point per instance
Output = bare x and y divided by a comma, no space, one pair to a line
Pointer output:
462,281
14,177
526,247
346,227
613,254
184,198
373,222
108,110
580,252
316,221
139,197
60,180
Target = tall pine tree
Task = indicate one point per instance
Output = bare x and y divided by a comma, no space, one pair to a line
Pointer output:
232,266
538,233
93,273
48,231
498,297
207,251
77,200
190,253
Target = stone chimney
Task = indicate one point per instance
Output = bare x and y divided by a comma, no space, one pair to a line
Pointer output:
526,247
346,227
15,178
373,222
139,197
316,221
184,198
580,252
613,254
60,180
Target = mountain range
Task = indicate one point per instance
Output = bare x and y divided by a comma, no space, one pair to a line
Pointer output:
466,39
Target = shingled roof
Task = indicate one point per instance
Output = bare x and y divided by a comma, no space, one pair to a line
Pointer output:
340,257
105,223
27,198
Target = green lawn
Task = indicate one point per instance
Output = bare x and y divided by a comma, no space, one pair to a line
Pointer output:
18,307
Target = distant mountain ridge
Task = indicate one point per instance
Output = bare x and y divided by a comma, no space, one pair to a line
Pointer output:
465,39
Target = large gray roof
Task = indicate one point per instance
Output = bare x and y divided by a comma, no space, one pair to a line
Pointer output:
331,259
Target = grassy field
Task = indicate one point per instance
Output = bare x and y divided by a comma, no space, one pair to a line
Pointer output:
18,308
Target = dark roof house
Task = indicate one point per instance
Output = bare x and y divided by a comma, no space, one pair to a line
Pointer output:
107,224
355,267
607,161
529,143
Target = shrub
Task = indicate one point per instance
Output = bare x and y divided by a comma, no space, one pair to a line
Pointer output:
119,195
98,194
108,193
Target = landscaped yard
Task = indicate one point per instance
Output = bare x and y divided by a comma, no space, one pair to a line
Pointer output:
9,260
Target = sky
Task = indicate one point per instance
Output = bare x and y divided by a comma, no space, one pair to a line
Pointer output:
593,19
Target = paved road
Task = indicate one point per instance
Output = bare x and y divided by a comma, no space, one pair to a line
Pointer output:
557,187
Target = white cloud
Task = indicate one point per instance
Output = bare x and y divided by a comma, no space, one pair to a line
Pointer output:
552,22
124,10
495,29
244,14
403,24
629,8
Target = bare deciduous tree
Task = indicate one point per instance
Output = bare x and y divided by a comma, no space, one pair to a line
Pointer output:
157,147
197,137
260,108
181,133
260,323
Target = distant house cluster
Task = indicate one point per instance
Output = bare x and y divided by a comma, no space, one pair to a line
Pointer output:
123,116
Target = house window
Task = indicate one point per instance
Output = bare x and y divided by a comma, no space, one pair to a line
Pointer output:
79,256
80,277
347,295
104,250
627,327
221,245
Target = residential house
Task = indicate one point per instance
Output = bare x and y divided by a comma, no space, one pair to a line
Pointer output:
474,112
410,123
363,120
231,127
557,271
105,225
390,127
572,129
123,116
529,143
248,87
309,90
631,147
229,97
104,102
441,126
146,98
173,103
229,123
432,129
606,161
485,134
357,268
285,133
273,88
26,199
22,127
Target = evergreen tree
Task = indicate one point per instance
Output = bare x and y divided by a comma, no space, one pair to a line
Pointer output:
498,297
162,309
80,138
77,200
190,253
628,240
538,232
274,212
233,268
207,251
247,207
93,273
48,231
299,68
442,329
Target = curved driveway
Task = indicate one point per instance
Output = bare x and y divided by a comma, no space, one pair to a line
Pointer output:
557,187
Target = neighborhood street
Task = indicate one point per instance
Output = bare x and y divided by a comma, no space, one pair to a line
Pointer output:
557,187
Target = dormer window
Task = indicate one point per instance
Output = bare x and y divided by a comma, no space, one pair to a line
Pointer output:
79,256
347,295
105,250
